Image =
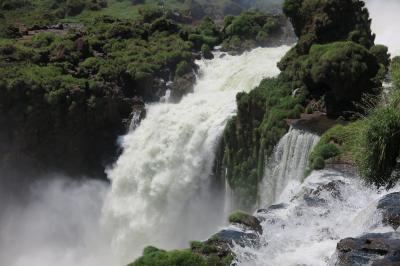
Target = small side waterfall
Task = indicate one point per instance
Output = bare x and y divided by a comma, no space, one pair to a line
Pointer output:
287,164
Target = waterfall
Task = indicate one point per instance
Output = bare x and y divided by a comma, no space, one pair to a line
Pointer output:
287,165
305,229
135,120
161,193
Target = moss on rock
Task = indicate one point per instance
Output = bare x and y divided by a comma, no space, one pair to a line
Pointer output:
245,219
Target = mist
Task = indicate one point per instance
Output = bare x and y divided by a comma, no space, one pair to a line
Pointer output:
56,222
386,23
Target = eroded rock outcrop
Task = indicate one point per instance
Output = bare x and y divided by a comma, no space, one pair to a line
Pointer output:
370,249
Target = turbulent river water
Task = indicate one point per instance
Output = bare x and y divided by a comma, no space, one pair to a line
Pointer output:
161,192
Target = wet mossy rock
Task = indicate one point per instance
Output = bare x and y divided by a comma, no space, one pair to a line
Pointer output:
213,252
246,220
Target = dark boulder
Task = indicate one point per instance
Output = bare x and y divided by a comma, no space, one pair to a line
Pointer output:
315,197
182,85
246,220
370,249
389,205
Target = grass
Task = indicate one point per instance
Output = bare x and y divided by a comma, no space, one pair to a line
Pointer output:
341,142
121,9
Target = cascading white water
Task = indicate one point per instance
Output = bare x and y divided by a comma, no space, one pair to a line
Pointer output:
327,207
287,164
161,191
135,120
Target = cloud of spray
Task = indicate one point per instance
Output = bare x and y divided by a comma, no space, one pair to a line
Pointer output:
57,223
386,22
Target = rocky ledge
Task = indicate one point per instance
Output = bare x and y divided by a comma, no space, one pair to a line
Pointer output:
370,249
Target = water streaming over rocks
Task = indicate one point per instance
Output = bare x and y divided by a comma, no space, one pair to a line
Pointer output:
161,192
287,165
306,225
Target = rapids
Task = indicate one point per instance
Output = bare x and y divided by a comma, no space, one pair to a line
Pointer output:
313,217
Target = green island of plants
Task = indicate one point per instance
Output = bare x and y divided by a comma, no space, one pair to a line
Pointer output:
334,64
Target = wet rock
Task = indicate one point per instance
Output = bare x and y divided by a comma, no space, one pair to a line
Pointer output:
273,207
221,243
241,238
370,249
246,220
389,205
315,197
137,115
182,85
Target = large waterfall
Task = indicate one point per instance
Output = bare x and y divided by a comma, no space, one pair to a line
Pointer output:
161,192
287,164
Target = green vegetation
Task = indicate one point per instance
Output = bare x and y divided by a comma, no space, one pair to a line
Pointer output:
340,142
372,144
380,145
237,217
245,219
250,29
81,82
156,257
341,71
395,72
81,86
16,14
326,21
261,119
200,254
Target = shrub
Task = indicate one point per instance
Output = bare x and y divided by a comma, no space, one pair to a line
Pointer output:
381,54
395,72
74,7
182,68
156,257
206,52
380,145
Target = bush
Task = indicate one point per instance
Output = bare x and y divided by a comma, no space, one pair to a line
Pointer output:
395,72
74,7
318,163
381,54
322,152
380,145
206,52
182,68
156,257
